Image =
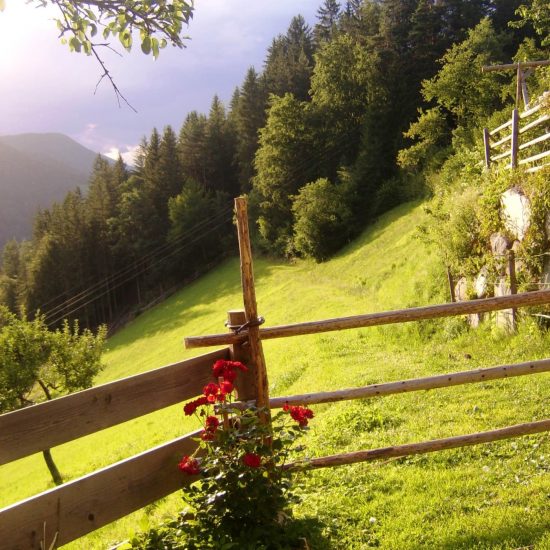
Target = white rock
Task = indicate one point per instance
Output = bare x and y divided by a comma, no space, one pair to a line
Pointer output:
461,289
480,283
499,244
516,212
504,317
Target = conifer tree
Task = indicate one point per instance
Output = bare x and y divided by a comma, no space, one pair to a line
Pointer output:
192,148
248,115
328,16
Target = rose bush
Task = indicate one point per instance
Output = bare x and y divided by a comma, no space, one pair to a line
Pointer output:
241,497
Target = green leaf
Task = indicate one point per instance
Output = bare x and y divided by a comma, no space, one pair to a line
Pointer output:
146,45
155,46
74,44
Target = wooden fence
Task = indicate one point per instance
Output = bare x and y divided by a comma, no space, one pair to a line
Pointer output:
522,140
83,505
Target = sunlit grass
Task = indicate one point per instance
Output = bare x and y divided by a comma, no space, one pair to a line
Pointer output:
492,496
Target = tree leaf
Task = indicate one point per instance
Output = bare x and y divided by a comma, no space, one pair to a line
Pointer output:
146,45
155,46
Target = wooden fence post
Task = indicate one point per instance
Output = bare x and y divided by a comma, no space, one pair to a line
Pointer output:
515,139
513,286
451,284
246,389
257,359
487,144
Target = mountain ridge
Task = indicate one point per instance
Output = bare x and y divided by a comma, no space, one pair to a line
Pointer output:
37,170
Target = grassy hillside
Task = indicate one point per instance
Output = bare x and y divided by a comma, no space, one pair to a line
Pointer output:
492,496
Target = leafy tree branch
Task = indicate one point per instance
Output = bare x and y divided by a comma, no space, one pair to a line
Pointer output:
88,26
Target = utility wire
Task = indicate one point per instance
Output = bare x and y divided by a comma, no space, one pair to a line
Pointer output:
98,293
135,266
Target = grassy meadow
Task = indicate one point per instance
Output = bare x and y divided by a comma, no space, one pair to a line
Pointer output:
490,496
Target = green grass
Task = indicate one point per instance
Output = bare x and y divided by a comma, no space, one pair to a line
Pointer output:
490,496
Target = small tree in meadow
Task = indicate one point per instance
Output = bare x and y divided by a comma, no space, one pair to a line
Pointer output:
38,364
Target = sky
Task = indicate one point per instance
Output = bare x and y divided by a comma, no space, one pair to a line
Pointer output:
46,88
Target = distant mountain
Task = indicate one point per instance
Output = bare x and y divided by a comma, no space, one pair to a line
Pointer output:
37,170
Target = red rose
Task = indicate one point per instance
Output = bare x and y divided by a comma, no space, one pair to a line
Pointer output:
252,460
192,406
226,369
237,365
211,389
226,386
299,413
207,435
229,375
218,368
211,423
189,465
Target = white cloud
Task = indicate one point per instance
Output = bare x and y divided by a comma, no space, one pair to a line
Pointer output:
128,156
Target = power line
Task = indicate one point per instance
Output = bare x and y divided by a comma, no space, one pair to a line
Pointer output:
114,281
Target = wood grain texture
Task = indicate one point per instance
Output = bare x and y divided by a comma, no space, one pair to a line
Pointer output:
251,310
46,425
415,384
245,383
86,504
384,318
424,447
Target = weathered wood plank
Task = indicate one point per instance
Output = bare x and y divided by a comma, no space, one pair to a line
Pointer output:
502,155
531,111
501,142
535,157
544,137
250,307
424,447
375,319
86,504
46,425
501,127
535,123
522,65
414,384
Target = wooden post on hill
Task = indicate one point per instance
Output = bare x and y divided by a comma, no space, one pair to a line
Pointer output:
513,286
257,360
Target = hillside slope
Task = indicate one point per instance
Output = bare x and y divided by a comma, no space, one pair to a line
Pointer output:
494,496
35,171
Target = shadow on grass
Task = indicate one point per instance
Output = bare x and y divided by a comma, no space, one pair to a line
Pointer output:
309,534
377,229
191,303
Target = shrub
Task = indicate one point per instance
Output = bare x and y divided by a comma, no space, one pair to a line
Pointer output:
323,219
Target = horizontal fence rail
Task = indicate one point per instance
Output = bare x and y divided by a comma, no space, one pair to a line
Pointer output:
376,319
33,429
424,447
512,132
413,384
76,508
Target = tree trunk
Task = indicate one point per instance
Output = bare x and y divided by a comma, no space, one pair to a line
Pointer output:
56,476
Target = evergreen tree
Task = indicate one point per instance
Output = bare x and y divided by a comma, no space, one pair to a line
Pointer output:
328,16
192,148
284,163
249,115
290,61
220,151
